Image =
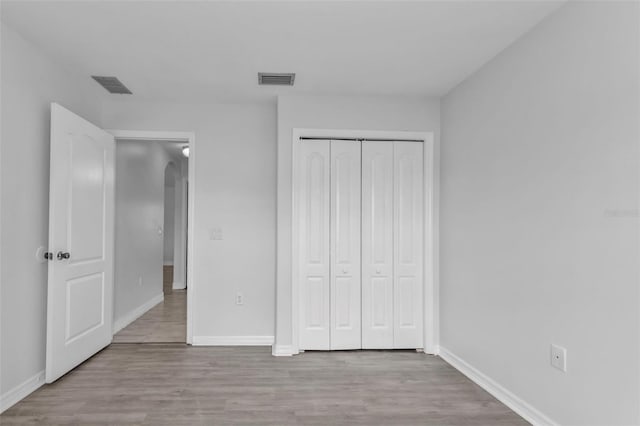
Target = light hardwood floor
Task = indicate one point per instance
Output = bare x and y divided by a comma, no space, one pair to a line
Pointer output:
175,384
164,323
182,385
167,278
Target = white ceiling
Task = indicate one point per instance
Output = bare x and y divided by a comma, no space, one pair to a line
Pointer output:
212,51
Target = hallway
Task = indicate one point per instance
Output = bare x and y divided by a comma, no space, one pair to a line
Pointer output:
164,323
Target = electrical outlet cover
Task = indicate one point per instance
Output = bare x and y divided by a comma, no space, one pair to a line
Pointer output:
559,357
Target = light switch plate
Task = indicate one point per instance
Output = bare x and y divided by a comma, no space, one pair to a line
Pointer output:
40,251
559,357
215,233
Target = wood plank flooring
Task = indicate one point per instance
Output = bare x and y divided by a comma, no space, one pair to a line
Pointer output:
171,384
167,278
164,323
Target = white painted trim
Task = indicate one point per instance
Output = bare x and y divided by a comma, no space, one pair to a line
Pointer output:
178,286
295,249
359,134
12,396
152,135
282,350
233,340
121,323
180,235
431,301
190,138
521,407
431,207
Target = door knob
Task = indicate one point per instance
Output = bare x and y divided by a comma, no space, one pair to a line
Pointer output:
63,255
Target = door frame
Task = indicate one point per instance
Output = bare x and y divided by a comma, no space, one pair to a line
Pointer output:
431,207
190,139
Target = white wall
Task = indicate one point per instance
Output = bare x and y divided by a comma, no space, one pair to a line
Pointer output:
169,213
30,82
139,219
234,189
333,112
539,208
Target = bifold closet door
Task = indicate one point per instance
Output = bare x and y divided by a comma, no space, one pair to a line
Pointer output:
408,231
392,245
377,245
313,204
328,197
360,247
345,245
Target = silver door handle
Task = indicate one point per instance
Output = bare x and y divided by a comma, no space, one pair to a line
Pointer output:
63,255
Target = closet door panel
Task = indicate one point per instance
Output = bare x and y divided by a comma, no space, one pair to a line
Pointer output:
313,202
408,245
345,245
377,245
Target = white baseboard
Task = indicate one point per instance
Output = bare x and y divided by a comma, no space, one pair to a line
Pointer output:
282,350
178,286
525,410
233,340
136,313
12,396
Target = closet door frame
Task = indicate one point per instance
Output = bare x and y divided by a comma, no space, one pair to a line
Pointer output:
431,169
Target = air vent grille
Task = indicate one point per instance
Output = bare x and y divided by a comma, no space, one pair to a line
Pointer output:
276,79
112,85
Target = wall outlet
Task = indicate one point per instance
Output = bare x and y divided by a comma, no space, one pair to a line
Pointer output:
239,299
140,280
559,357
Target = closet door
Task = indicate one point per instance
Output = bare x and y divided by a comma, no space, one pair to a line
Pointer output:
408,245
313,203
345,245
377,245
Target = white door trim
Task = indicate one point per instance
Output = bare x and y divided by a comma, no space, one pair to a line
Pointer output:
190,138
431,182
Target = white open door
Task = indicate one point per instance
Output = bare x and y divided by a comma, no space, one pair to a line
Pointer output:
81,221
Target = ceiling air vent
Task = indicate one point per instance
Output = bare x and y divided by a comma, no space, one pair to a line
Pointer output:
276,79
112,84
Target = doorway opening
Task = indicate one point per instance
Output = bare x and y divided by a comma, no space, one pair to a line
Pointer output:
151,281
82,314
